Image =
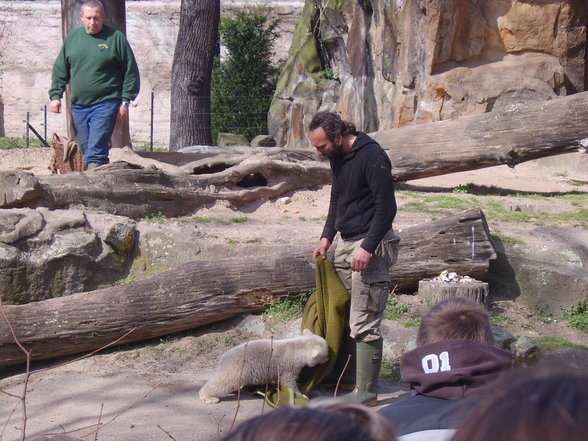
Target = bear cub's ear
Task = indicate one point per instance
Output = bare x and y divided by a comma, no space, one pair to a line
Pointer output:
307,332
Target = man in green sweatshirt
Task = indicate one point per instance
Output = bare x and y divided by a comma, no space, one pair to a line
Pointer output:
99,65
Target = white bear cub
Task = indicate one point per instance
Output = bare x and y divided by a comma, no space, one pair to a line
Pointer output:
265,361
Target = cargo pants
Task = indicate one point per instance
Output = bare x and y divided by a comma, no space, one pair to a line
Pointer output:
368,289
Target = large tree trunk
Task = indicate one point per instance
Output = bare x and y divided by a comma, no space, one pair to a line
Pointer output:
151,187
518,134
194,54
200,293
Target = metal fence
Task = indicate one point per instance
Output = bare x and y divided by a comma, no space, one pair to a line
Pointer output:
149,121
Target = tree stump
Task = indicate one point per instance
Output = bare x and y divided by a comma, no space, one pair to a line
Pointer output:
433,291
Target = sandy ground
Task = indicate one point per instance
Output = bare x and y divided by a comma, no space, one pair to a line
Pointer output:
148,391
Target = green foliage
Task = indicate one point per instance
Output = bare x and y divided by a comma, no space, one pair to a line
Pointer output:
390,369
508,240
577,316
243,82
201,219
18,143
498,320
154,218
550,343
285,309
394,309
328,74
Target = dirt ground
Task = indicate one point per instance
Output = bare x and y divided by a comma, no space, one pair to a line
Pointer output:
148,391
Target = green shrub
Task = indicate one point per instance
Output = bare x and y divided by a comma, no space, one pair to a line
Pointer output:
285,309
243,82
577,316
550,343
394,309
18,143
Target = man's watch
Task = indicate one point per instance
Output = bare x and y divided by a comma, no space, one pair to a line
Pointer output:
125,103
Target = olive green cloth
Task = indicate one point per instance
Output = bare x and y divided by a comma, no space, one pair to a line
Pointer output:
325,315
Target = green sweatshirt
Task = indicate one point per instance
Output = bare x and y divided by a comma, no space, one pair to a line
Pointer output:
98,67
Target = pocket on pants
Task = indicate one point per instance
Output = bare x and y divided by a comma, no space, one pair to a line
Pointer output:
372,298
378,297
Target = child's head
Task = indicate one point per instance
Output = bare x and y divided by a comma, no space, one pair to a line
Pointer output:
456,319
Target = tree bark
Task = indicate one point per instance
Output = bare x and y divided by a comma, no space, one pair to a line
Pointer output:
432,292
137,186
199,293
520,133
196,47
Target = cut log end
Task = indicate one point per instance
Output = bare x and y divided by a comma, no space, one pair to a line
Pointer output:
433,291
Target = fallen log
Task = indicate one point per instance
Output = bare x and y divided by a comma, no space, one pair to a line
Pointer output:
199,293
520,133
142,186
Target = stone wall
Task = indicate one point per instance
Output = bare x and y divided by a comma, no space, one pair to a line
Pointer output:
30,38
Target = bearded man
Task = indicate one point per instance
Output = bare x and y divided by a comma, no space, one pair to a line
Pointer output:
361,211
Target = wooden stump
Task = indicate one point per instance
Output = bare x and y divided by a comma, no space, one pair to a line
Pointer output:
433,291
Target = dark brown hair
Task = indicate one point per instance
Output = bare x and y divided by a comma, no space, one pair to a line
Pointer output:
456,319
533,404
332,124
303,424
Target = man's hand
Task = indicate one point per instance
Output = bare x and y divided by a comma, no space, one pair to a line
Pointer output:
55,106
322,248
123,112
360,259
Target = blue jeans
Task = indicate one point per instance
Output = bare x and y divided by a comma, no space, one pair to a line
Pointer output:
93,127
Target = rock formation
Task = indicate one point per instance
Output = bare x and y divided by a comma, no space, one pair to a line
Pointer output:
385,64
46,254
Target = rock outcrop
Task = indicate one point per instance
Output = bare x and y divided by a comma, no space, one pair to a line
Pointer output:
46,254
393,63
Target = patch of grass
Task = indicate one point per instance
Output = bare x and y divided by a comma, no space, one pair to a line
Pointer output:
201,219
507,240
203,346
302,218
147,148
328,74
390,369
542,315
579,216
319,218
394,309
286,309
154,218
231,241
413,323
239,220
551,343
256,240
234,337
124,281
461,189
577,316
7,143
498,320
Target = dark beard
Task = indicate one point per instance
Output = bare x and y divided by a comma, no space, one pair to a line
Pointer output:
336,153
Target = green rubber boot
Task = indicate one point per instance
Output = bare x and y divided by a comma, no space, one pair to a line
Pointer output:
368,364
